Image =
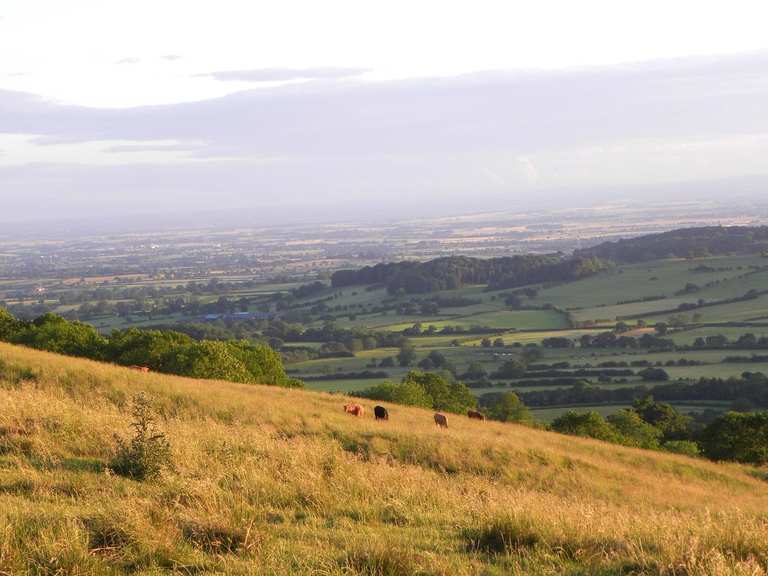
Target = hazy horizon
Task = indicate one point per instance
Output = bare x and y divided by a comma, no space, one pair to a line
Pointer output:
334,121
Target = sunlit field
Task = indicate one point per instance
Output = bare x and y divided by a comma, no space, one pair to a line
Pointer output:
276,481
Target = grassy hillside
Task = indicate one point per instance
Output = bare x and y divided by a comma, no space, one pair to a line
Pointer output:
277,481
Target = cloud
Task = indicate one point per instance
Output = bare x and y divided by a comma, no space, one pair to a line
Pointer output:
172,57
130,60
154,147
495,135
285,74
521,113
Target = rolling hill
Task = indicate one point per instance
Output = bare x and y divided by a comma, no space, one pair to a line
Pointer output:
683,243
269,480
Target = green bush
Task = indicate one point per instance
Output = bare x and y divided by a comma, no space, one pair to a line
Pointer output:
737,436
425,389
509,408
148,453
684,447
590,424
633,430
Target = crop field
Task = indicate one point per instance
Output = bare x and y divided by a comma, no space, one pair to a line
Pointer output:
661,278
748,310
499,319
495,327
551,413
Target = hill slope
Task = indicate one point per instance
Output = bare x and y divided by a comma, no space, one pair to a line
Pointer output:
277,481
683,243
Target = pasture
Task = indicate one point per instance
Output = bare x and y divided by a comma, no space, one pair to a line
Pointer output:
278,481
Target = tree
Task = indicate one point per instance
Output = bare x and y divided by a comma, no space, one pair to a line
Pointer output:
448,396
475,371
161,350
654,375
684,447
509,408
55,334
513,368
557,342
738,436
531,354
436,359
9,326
673,425
407,393
589,424
407,354
263,364
634,431
216,361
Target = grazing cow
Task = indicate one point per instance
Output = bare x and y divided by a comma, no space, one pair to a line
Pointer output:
380,413
354,409
441,420
475,415
139,368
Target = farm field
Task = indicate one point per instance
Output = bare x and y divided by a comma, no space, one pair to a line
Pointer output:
499,319
469,334
549,414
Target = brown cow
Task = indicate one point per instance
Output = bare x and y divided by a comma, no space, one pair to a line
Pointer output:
354,409
139,368
441,420
475,415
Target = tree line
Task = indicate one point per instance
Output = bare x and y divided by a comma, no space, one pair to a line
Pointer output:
163,351
454,272
655,425
683,243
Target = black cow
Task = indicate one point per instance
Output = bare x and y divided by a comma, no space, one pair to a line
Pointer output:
380,413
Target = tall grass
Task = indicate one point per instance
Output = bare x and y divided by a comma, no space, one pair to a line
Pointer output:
276,481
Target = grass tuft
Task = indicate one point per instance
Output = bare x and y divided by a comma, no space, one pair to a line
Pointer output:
380,560
218,538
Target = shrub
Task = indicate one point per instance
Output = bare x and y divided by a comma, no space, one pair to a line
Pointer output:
654,375
509,408
379,560
589,424
740,437
634,430
218,538
149,453
684,447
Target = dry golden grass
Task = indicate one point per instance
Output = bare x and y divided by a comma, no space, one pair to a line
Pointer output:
277,481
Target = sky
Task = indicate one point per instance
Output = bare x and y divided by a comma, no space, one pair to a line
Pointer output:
356,108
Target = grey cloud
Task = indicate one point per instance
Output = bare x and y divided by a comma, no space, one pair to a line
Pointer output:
488,112
130,60
153,148
171,57
429,141
285,74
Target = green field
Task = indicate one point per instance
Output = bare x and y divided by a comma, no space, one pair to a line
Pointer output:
500,319
550,413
